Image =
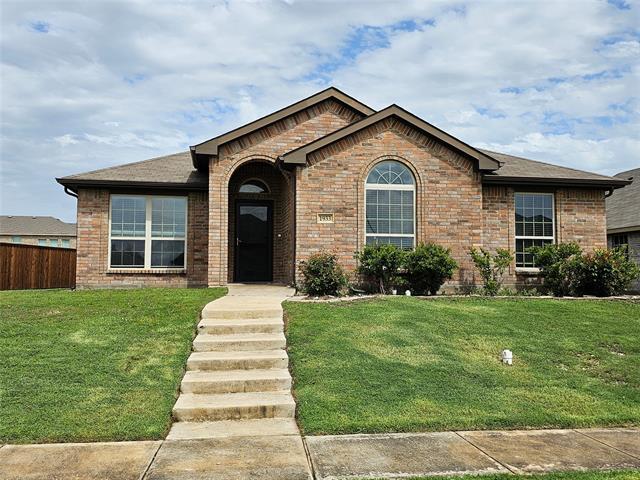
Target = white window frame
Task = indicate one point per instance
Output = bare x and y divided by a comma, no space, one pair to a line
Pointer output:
148,238
533,237
391,186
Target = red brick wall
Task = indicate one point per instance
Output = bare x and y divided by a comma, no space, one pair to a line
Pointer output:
264,145
579,216
448,194
93,246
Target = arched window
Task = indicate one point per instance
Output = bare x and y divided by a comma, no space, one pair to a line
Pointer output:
390,205
253,186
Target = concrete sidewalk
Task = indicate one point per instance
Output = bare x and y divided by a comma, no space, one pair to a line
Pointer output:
399,455
332,457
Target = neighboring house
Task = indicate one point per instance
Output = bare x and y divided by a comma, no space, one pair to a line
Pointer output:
623,218
42,231
326,173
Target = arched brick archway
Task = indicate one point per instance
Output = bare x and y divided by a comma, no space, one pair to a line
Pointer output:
278,199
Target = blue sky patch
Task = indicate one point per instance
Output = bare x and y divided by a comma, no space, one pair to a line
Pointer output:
619,4
133,79
40,26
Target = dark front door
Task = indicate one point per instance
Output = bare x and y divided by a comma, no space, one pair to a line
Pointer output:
254,231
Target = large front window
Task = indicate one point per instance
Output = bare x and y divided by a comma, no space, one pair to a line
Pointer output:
534,225
148,232
390,205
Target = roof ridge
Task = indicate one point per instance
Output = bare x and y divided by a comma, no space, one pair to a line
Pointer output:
123,165
624,172
545,163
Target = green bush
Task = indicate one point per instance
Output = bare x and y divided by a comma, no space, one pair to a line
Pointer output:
491,267
381,264
322,275
606,272
428,267
559,265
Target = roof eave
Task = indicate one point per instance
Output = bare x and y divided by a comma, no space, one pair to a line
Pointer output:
542,181
74,184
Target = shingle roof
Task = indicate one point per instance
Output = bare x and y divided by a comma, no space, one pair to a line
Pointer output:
24,225
623,206
171,171
524,170
176,171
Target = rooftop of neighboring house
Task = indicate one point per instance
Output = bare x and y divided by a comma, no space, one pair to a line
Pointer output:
623,206
35,225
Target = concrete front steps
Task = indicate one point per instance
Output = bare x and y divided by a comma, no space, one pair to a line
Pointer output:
238,360
237,381
233,428
233,406
206,342
252,325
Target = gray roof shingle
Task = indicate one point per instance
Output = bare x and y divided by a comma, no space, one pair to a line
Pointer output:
176,171
623,206
524,168
171,170
25,225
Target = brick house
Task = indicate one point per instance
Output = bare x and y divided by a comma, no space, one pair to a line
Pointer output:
326,173
623,219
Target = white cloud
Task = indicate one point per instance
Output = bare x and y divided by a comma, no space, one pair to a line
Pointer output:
91,84
66,139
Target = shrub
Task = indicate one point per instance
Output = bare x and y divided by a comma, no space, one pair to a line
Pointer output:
491,267
559,264
428,267
606,272
322,275
380,263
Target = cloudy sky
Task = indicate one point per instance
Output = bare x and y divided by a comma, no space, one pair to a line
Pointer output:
91,84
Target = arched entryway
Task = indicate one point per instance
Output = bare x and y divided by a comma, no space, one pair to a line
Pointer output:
260,224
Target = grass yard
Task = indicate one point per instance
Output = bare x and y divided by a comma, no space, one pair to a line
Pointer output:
406,364
93,365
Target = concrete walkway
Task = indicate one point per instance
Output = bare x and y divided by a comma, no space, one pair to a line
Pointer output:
333,457
235,416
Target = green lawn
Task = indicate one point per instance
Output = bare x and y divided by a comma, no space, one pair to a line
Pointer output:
406,364
93,365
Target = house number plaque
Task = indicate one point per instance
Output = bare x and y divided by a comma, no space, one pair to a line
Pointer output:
325,218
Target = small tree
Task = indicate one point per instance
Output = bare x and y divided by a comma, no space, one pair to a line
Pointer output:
559,265
428,267
322,275
491,267
380,263
606,272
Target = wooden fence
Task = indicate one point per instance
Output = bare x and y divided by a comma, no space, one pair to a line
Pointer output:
32,266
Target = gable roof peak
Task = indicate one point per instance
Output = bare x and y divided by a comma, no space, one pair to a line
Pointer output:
484,161
202,151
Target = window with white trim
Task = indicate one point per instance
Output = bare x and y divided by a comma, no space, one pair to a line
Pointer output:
390,205
535,225
147,232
